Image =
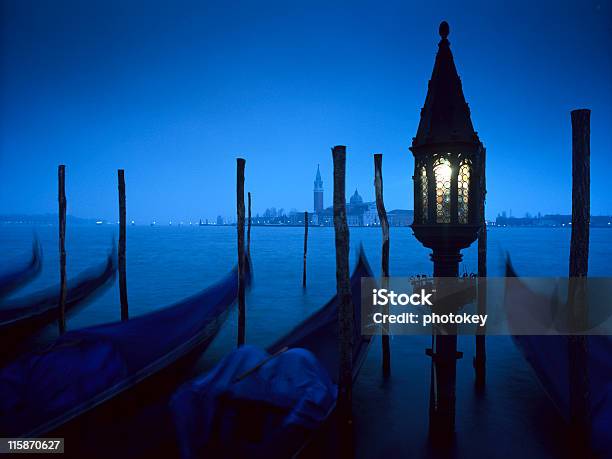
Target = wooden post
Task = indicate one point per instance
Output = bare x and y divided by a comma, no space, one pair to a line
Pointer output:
61,197
121,252
579,263
305,247
343,289
249,227
240,163
480,358
384,223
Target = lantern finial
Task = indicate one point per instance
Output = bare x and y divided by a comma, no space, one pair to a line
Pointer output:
444,29
445,117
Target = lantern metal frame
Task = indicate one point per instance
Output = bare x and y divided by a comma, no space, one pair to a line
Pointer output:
460,222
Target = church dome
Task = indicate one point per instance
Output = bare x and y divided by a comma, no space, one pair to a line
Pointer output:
356,199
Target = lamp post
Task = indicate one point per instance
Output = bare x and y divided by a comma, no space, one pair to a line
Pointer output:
448,166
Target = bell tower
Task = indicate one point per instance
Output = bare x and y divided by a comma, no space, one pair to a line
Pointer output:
318,192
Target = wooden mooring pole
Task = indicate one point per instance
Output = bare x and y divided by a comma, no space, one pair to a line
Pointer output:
345,306
305,247
61,197
480,359
249,226
121,252
240,163
579,396
384,223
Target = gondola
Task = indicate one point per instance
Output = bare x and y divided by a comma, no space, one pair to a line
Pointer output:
11,281
23,316
548,356
247,426
91,380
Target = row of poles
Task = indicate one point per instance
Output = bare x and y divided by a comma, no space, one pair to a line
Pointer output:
341,231
121,250
121,259
341,243
579,249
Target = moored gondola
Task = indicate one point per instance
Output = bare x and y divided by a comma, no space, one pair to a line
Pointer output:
92,379
11,281
277,403
548,356
24,316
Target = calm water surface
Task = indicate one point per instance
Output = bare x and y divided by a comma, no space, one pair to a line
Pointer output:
166,264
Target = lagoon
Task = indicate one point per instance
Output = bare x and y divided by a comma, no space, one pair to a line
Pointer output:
166,264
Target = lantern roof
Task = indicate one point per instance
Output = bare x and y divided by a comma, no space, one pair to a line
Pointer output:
445,117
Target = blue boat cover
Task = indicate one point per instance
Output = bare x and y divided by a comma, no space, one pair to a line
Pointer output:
294,382
271,412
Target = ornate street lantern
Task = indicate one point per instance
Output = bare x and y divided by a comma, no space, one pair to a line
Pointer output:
448,161
448,192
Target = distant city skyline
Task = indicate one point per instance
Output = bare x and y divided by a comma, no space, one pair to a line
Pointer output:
50,218
320,194
318,209
173,96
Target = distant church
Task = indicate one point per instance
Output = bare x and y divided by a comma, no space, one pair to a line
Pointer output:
358,213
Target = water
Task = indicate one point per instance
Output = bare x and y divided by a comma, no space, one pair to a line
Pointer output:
166,264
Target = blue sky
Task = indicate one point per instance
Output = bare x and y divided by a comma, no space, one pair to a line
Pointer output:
173,92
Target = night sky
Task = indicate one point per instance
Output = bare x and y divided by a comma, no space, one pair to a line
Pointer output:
174,92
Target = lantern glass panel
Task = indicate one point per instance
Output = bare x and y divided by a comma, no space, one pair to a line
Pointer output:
463,188
442,173
424,196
